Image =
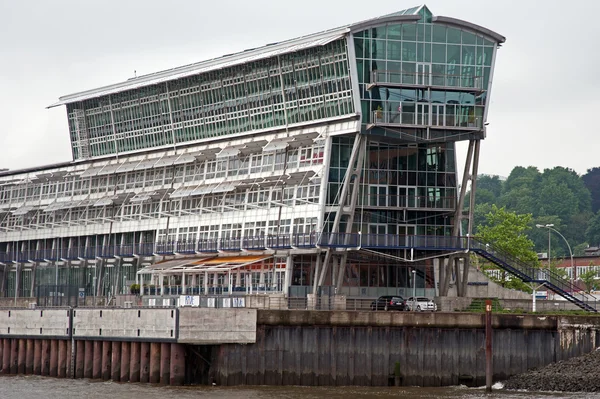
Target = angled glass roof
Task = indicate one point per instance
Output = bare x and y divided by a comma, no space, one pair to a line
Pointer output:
422,11
408,11
270,50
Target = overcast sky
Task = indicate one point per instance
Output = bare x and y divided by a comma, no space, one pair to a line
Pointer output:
544,96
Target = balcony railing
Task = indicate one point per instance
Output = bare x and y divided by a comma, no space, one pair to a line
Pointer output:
213,245
427,118
408,201
428,79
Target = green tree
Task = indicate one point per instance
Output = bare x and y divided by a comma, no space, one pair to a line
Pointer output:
556,199
592,181
563,195
592,233
529,177
568,178
579,250
482,196
520,199
506,231
575,228
557,196
590,280
491,183
479,216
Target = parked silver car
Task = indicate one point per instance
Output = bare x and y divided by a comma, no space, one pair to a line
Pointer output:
420,304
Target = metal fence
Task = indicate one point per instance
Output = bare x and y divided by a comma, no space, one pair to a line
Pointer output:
324,302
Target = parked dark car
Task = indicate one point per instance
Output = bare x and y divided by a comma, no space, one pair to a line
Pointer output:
389,302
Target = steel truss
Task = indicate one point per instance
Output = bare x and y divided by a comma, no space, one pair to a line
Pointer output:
347,200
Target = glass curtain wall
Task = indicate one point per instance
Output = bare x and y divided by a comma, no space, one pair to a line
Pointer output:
435,74
308,85
405,190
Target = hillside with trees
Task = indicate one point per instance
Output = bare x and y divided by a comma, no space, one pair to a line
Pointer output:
557,196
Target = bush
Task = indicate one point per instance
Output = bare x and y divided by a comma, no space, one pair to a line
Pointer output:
134,289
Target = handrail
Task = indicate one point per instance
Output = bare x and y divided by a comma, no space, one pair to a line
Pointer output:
430,117
427,78
547,277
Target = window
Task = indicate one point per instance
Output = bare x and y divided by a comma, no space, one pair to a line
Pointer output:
378,195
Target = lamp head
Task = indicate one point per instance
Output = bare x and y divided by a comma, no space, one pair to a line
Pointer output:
550,225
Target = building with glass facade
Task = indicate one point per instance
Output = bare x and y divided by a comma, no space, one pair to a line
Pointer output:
323,161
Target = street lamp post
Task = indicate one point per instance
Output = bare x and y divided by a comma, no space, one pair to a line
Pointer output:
550,228
414,273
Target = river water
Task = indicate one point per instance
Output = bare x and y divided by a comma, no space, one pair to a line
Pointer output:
35,387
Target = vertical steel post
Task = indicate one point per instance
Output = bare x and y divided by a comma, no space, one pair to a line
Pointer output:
177,364
29,357
125,361
61,358
53,366
6,355
165,363
21,356
134,362
115,362
37,357
79,369
488,345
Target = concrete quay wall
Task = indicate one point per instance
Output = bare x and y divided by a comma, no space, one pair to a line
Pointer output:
125,324
406,319
137,345
38,323
431,349
200,326
216,326
281,347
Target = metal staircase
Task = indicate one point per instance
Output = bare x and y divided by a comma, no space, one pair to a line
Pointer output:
532,274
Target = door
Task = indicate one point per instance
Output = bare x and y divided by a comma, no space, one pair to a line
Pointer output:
422,114
279,280
437,114
407,197
424,74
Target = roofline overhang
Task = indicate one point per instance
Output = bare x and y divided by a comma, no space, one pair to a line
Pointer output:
263,52
459,23
34,169
267,51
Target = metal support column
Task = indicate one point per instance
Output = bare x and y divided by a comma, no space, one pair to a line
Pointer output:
446,272
350,222
352,177
467,263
